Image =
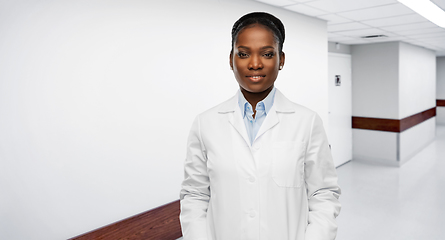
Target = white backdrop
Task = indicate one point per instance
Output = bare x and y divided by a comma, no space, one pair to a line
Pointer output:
97,98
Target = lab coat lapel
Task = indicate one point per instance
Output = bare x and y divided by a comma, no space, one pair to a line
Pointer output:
237,122
231,108
281,105
270,121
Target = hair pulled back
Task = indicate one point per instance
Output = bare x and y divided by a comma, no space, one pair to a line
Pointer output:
267,20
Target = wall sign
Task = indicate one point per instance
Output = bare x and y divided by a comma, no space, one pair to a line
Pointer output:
337,80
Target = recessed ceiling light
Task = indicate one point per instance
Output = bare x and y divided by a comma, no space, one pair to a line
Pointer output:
428,10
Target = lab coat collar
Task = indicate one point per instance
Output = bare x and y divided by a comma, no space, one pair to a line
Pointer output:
281,105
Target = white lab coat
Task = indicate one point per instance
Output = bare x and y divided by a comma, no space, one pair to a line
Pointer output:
283,187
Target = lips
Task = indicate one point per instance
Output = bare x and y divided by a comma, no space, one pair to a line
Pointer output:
256,77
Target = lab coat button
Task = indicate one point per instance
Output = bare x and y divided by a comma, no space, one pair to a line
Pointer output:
252,214
252,179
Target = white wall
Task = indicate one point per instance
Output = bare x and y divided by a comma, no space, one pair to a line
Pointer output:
342,48
417,93
375,80
389,148
440,88
440,115
440,76
417,79
414,139
97,98
375,146
392,80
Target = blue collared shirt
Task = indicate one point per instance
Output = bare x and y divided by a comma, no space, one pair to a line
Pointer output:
262,109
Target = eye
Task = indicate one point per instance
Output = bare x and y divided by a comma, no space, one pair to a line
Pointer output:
269,54
242,55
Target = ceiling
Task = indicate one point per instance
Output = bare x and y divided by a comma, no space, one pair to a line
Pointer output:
350,20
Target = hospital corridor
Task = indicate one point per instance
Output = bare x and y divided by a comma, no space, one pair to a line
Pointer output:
222,119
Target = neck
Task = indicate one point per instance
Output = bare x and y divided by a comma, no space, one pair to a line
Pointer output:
254,98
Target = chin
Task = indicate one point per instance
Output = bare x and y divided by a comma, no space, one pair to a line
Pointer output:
255,89
261,88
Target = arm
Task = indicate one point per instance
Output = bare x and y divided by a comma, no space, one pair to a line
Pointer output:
195,192
321,184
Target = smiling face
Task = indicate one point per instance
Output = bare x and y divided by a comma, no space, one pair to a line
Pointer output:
255,59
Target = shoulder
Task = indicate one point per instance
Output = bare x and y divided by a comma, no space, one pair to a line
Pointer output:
283,104
214,121
225,107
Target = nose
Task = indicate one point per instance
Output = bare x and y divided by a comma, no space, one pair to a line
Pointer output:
255,63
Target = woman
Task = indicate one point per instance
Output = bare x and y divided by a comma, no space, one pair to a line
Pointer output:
263,172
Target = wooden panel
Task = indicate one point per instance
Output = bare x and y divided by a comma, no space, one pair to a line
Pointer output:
161,223
415,119
392,125
378,124
440,103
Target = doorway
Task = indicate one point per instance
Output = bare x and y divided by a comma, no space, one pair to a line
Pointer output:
340,107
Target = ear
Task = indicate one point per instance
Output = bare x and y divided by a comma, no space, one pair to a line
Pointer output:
282,57
230,60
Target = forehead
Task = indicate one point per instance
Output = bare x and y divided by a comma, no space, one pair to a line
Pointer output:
255,34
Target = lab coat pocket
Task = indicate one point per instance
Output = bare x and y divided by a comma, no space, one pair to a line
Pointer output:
288,164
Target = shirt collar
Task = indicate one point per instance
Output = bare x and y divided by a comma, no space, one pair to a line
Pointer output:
267,101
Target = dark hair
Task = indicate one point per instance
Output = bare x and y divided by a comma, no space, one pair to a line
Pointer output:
268,20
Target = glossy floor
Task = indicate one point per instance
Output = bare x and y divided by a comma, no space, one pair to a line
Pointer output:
406,203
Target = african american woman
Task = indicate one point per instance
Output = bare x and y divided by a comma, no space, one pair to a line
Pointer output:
258,166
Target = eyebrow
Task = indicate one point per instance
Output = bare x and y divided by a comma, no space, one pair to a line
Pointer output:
260,48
